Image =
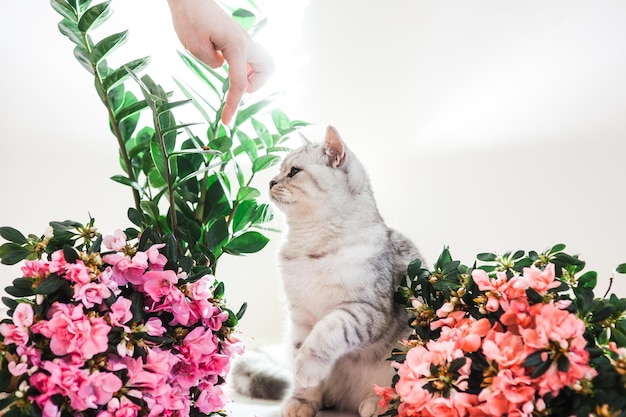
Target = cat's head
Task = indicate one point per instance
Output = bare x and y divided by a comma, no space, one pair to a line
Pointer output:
318,178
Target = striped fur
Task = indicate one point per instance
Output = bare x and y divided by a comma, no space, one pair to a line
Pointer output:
340,267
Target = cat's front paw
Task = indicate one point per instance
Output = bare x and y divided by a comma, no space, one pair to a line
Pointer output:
295,407
310,369
369,407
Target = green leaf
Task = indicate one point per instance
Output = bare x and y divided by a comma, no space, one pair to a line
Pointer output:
248,242
50,285
162,108
243,215
557,248
486,257
64,9
81,55
151,209
94,16
457,364
127,181
563,363
219,290
242,310
245,18
70,30
621,269
619,337
157,156
248,145
280,119
247,112
588,280
263,133
200,69
12,235
264,162
106,45
541,369
135,216
247,193
119,75
128,111
13,253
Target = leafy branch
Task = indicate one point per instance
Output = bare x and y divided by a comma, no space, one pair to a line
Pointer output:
198,188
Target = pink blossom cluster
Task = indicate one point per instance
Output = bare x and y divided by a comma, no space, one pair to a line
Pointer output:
429,384
87,351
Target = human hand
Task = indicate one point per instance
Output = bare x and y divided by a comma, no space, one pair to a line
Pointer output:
213,37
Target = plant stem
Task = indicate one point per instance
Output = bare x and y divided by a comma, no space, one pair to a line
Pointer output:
115,125
168,175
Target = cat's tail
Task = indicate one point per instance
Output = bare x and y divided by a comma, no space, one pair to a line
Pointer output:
260,374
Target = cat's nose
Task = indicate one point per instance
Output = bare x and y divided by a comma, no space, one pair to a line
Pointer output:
272,184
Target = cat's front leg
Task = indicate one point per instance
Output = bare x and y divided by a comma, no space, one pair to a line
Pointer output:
336,334
304,402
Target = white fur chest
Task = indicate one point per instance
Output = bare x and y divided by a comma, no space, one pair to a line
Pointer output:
317,281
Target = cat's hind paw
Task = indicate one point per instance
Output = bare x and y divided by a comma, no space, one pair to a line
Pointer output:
295,407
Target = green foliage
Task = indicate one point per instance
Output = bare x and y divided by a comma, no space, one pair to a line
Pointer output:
198,188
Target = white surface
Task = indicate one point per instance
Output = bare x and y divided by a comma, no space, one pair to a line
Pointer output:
245,407
485,125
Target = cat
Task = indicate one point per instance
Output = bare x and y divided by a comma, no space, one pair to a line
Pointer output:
340,266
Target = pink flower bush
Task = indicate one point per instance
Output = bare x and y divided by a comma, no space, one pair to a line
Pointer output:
118,335
508,342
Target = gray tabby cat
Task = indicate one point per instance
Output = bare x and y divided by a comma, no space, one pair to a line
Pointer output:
340,267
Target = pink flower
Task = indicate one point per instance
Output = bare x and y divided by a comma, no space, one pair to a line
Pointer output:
415,374
199,342
387,396
36,269
44,384
120,407
115,242
211,399
559,333
57,262
17,332
154,327
179,306
68,377
216,319
23,315
467,333
538,280
156,259
70,331
77,272
106,279
127,270
504,348
509,390
120,313
91,294
17,369
99,388
165,400
494,288
159,284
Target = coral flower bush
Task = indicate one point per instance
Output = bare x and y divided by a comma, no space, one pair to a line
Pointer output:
520,335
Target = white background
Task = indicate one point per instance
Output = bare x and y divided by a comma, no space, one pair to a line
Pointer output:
484,125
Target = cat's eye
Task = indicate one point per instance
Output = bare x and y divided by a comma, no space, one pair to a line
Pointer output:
293,172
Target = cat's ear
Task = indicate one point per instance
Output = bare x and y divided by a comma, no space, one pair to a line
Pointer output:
303,139
334,147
